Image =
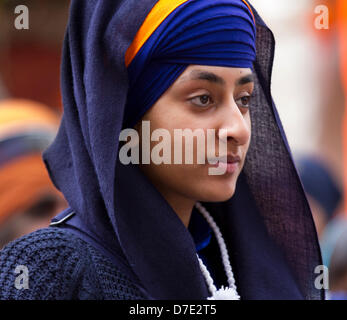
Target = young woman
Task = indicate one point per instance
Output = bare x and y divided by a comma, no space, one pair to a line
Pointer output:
169,231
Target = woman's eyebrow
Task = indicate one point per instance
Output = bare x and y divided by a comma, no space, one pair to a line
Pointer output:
245,79
212,77
203,75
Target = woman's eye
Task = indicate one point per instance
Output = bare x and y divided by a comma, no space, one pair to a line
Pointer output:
244,102
202,101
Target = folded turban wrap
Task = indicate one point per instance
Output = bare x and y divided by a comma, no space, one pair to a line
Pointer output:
178,33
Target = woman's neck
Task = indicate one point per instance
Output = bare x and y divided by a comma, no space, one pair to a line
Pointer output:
182,206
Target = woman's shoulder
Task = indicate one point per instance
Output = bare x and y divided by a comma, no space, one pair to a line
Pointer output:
53,263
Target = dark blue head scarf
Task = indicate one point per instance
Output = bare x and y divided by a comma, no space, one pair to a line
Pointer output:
267,224
217,33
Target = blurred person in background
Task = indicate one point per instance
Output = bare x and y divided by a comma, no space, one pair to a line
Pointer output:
334,244
322,190
338,268
28,199
325,197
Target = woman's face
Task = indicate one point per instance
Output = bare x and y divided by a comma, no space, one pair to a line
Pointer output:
203,97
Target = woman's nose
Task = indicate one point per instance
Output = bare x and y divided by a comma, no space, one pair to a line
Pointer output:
235,124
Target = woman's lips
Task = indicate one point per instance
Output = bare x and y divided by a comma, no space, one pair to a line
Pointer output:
228,164
226,167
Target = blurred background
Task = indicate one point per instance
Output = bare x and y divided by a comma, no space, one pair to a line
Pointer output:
309,86
30,111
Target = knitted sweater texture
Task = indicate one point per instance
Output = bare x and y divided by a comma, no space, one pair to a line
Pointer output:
61,266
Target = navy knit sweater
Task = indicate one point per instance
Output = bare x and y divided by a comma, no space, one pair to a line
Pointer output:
61,266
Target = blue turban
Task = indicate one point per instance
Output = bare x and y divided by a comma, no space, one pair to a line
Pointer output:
208,32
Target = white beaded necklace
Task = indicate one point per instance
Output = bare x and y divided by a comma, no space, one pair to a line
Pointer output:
224,293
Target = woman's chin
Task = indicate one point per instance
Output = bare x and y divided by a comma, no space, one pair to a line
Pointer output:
218,194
